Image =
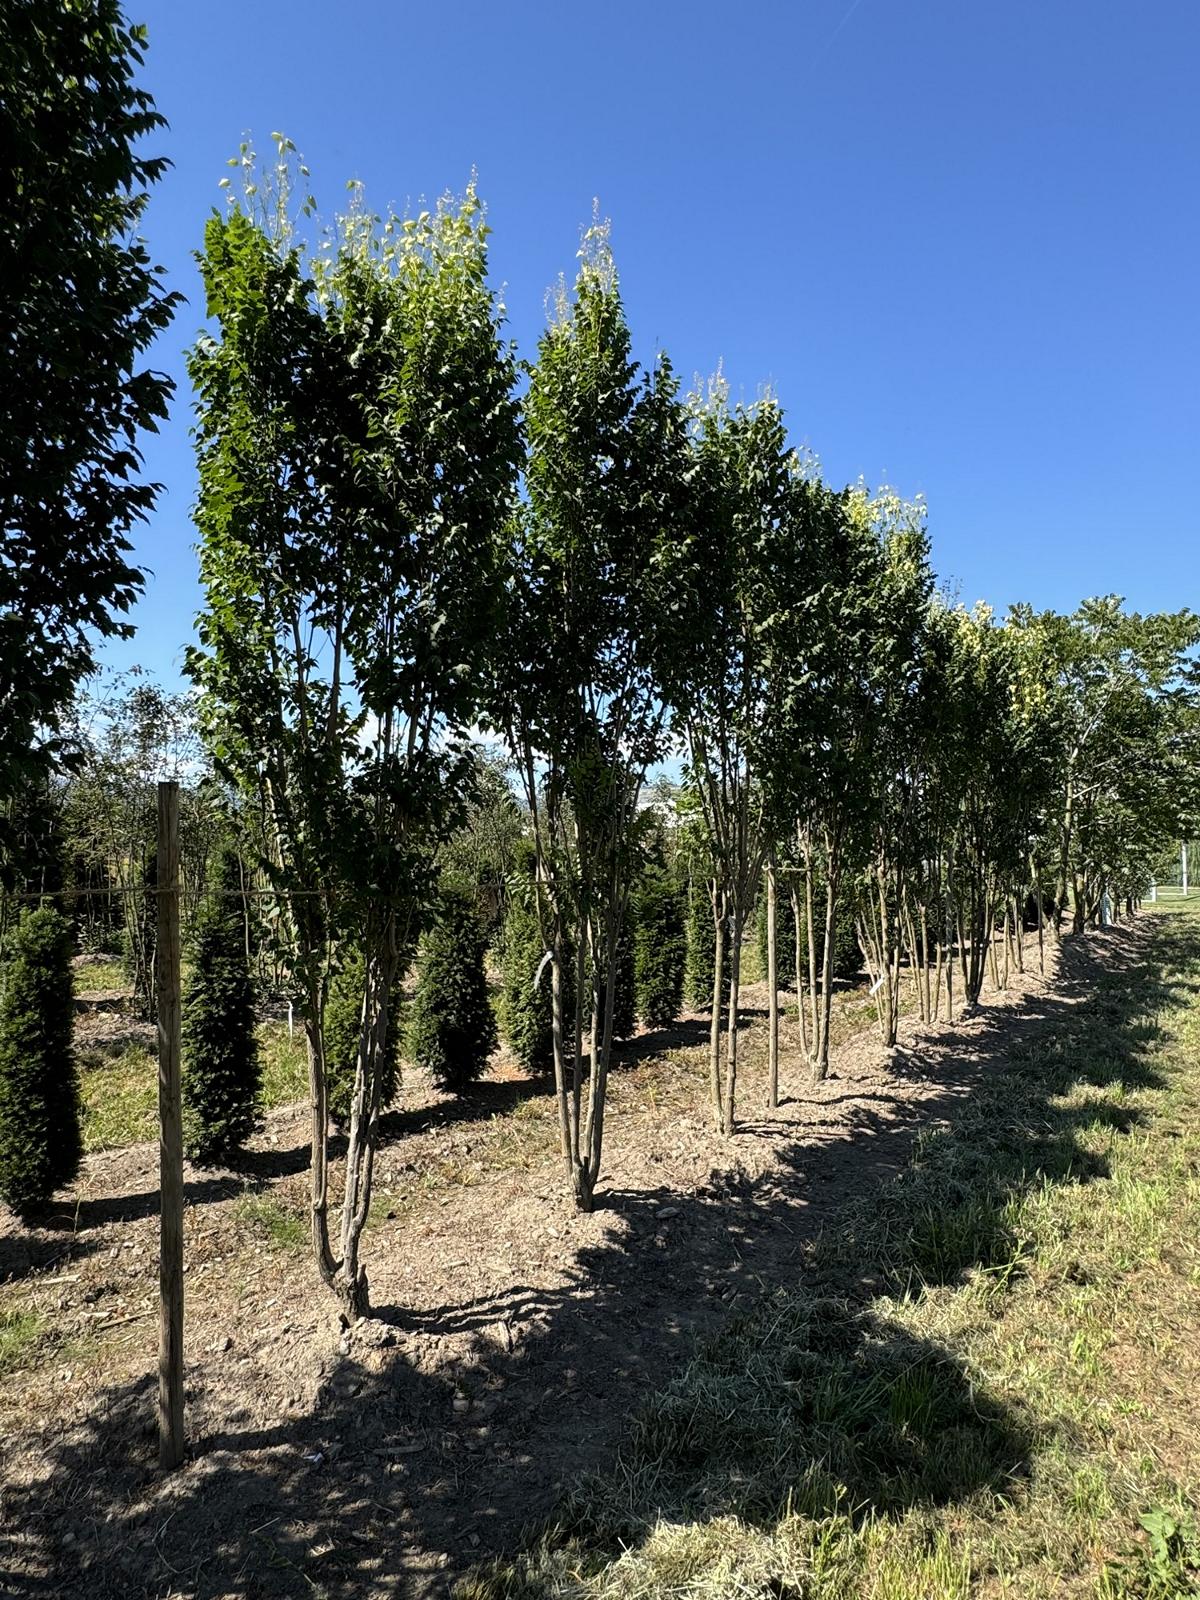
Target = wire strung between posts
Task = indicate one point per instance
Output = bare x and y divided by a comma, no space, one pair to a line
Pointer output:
120,894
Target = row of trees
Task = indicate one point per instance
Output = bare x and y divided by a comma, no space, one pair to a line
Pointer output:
407,533
396,548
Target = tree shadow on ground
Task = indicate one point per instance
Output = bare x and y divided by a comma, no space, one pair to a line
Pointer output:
385,1486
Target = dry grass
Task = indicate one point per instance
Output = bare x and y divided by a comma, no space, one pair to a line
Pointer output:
987,1384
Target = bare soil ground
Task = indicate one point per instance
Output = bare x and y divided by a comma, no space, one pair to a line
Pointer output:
512,1337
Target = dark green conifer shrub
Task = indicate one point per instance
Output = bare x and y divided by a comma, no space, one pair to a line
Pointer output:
524,1008
659,948
221,1072
452,1028
343,1021
625,986
40,1140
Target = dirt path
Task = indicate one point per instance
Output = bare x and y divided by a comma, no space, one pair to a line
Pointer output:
513,1337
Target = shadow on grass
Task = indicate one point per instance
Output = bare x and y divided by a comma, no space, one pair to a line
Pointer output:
801,1394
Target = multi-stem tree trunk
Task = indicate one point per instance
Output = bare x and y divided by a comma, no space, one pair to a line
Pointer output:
319,1131
832,878
877,935
381,972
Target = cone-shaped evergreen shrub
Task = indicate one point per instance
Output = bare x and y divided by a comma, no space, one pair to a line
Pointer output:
524,1009
660,948
40,1139
452,1028
698,973
221,1073
343,1021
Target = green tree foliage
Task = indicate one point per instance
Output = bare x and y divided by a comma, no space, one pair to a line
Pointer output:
451,1026
221,1072
35,862
82,304
128,733
578,695
343,1028
140,934
741,565
481,856
40,1141
1126,691
358,447
660,947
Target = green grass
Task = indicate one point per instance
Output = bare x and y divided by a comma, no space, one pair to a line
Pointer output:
120,1092
99,977
120,1097
284,1065
266,1217
20,1333
1012,1408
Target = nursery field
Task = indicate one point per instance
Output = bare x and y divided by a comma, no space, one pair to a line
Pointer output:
929,1329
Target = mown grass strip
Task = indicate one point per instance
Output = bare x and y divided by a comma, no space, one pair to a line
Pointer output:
988,1381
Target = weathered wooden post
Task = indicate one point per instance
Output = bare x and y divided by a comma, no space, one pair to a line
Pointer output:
170,1147
772,992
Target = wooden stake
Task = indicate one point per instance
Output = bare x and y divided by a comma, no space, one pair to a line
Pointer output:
170,1148
772,994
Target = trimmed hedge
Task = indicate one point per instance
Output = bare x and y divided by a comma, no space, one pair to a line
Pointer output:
660,949
452,1028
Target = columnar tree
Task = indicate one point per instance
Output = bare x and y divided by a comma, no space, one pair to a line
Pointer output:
1127,688
221,1070
660,946
580,699
358,442
525,999
831,683
82,304
740,569
40,1142
889,698
451,1028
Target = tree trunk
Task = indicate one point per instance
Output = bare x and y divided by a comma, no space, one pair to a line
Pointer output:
319,1166
731,1025
801,1004
714,1037
831,884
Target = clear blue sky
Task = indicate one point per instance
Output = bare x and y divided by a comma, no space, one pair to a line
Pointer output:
959,239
